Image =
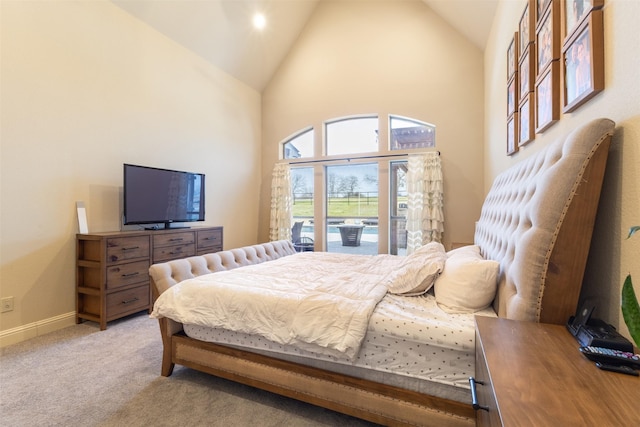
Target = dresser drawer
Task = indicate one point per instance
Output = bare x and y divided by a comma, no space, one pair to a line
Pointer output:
124,248
209,241
127,274
129,301
173,252
182,238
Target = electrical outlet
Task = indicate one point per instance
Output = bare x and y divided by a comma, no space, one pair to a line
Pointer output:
6,304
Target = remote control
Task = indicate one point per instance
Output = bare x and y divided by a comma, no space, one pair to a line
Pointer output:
611,357
621,369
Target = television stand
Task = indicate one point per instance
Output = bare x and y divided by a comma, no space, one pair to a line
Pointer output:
112,268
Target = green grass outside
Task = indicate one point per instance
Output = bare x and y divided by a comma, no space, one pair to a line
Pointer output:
341,207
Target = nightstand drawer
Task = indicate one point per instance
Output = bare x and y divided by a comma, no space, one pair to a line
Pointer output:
127,274
127,302
488,414
182,238
124,248
173,252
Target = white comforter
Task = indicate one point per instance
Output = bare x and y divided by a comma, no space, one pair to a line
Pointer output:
315,298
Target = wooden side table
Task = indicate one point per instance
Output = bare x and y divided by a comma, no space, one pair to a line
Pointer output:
534,375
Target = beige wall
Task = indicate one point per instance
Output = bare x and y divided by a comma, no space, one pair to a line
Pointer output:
384,57
85,88
611,257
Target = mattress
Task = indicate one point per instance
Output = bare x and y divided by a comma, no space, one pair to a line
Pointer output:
318,301
410,342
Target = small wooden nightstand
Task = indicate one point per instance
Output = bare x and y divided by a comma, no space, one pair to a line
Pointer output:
534,375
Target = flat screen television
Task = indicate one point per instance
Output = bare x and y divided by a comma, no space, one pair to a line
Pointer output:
162,196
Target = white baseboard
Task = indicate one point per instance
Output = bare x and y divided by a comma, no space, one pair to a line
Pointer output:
35,329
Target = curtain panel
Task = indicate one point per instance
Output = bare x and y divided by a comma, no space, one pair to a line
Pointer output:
425,201
281,215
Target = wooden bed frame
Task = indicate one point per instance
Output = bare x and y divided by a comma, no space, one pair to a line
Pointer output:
559,282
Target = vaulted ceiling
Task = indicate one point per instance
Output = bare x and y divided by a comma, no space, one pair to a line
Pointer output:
221,31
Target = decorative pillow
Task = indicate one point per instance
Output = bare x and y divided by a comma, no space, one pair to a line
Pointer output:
468,282
418,271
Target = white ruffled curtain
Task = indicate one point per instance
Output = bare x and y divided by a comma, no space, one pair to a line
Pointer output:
280,225
425,217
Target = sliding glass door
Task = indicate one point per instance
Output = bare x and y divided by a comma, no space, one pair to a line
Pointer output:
352,208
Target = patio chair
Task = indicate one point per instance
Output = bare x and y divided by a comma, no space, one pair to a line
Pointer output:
301,244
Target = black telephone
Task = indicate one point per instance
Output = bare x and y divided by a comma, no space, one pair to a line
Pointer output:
601,343
596,333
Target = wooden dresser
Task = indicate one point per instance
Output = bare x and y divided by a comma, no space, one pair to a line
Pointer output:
112,268
534,375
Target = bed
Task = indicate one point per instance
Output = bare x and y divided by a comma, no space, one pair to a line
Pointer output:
534,232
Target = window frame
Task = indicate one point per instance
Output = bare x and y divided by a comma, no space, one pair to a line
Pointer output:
384,156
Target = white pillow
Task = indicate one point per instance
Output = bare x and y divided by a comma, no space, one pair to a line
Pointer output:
418,271
468,282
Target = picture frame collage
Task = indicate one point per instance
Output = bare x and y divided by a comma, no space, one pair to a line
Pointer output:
557,50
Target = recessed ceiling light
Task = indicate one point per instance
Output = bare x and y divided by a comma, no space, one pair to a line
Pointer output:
259,21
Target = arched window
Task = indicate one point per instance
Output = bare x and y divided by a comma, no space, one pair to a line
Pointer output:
409,133
357,204
352,135
299,146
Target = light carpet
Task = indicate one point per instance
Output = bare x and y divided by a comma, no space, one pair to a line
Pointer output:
81,376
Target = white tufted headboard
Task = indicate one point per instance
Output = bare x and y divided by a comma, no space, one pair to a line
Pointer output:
537,221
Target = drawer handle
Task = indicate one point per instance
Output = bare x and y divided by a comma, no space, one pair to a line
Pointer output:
135,273
131,248
474,395
176,239
129,301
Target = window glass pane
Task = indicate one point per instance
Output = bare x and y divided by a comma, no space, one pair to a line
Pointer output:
302,189
302,209
408,133
351,136
398,207
352,208
299,146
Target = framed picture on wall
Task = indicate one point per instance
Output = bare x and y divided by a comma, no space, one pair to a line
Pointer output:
526,76
526,116
574,12
547,39
526,28
511,96
512,132
547,98
541,6
512,57
583,63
